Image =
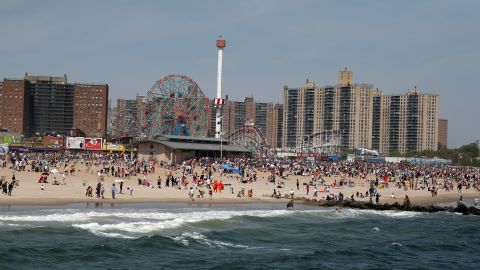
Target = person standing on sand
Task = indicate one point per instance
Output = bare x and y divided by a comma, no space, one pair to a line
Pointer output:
220,186
10,188
308,188
97,190
114,190
406,201
5,187
191,193
121,187
292,193
298,185
102,190
215,186
377,198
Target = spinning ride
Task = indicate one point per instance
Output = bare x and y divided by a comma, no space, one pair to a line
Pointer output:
176,106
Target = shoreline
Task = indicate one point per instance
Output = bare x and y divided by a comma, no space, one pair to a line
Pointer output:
68,201
421,201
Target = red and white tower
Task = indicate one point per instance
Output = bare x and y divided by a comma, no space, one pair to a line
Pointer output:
221,43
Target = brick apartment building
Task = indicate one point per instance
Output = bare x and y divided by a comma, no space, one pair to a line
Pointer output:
44,104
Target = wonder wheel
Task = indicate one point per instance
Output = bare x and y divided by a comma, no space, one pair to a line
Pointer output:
176,106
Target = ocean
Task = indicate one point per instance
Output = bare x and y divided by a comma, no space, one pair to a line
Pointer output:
246,236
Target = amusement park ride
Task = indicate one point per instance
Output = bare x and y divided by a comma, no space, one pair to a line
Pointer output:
124,123
176,106
251,138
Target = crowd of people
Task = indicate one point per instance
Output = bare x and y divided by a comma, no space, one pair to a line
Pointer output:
206,175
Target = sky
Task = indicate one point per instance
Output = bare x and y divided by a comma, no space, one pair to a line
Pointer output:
395,45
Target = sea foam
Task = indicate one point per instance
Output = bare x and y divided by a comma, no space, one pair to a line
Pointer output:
186,237
134,223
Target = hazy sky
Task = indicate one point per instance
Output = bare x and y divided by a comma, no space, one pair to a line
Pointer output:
394,45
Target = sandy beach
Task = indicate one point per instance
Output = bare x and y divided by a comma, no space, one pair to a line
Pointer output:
29,191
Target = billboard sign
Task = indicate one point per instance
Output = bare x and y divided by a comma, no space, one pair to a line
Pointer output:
7,139
53,142
75,143
93,143
114,147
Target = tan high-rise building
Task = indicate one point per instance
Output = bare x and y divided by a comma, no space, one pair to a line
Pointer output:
344,109
277,126
361,116
443,133
405,123
345,77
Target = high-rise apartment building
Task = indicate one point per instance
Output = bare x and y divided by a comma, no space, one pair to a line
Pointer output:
443,133
405,123
344,109
238,114
277,126
361,116
129,105
15,105
51,100
298,113
44,104
90,108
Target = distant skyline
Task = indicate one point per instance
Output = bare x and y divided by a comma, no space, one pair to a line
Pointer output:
394,45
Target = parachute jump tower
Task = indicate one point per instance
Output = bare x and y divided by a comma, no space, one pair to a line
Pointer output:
219,102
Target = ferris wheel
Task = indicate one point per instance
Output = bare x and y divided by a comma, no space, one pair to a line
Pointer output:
176,106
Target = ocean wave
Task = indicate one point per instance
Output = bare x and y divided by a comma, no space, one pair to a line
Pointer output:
353,213
186,237
135,223
46,218
156,222
147,215
153,215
